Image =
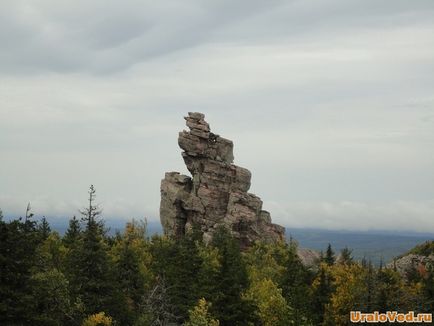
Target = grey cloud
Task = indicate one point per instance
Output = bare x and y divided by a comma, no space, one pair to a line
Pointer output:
327,102
107,36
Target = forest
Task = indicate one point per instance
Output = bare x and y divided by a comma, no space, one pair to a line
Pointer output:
88,277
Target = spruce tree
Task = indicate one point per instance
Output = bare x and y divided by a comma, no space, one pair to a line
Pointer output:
92,278
44,229
321,294
228,305
179,264
329,258
346,256
73,232
18,242
295,285
132,268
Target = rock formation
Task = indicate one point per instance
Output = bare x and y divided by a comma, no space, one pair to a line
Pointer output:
216,194
309,258
406,263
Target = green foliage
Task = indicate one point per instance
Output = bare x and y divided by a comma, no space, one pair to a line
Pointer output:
73,233
424,249
267,261
179,264
53,305
132,260
44,229
329,258
199,315
296,285
349,289
51,253
346,256
230,282
390,291
91,270
273,310
18,242
427,289
88,278
322,289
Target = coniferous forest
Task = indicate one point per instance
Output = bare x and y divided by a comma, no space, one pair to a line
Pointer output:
88,277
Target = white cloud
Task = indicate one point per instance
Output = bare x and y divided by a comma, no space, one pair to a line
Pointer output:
349,215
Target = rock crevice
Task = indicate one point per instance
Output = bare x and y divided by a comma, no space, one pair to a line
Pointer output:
215,194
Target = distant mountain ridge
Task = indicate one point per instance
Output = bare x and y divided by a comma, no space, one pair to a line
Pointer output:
374,245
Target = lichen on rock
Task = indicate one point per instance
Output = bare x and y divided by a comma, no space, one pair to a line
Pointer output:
216,194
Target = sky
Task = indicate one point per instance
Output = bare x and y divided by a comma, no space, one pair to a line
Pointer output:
329,103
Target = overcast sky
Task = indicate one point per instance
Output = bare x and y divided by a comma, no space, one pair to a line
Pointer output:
330,104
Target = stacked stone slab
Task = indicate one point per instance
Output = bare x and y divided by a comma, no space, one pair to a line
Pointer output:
216,194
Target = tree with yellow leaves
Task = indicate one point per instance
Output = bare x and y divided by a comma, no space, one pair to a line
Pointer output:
99,319
350,288
199,315
272,307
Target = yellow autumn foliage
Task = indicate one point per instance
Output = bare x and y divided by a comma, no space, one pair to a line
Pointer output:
99,319
273,309
199,316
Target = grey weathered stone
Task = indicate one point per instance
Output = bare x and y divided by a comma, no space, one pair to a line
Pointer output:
216,194
405,263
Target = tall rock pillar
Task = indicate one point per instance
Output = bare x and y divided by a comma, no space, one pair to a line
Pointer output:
216,193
